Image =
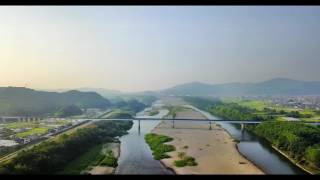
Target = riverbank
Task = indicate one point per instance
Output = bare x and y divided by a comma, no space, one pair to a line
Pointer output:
293,161
214,150
101,170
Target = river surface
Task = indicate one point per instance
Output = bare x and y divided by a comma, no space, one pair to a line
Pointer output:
257,150
136,156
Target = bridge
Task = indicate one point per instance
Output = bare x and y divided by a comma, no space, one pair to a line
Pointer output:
210,121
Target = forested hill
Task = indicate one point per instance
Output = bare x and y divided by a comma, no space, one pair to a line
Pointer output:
24,101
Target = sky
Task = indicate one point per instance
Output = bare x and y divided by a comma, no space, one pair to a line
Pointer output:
151,48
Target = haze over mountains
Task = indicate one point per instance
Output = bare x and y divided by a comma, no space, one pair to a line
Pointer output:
278,86
17,100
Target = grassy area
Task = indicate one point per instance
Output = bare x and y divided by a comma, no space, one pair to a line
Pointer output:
259,105
109,160
99,155
38,131
92,157
253,104
119,114
17,125
156,143
154,112
185,160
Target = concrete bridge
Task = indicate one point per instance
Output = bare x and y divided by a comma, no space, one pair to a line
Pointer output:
209,121
5,119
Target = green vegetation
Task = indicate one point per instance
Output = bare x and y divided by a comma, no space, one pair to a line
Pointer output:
109,160
185,160
231,111
266,108
94,157
253,104
132,105
38,131
53,156
154,112
28,102
91,157
174,109
156,143
17,125
300,141
147,100
71,110
120,114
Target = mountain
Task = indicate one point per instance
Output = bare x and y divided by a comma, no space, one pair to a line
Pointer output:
102,91
107,93
278,86
24,101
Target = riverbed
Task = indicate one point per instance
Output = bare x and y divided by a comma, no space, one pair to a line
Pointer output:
135,155
257,150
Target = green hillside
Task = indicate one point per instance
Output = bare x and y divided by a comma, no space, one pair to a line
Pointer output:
24,101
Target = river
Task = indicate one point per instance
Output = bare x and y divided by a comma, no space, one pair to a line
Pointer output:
136,156
257,150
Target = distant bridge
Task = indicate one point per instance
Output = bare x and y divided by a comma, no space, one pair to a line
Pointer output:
242,122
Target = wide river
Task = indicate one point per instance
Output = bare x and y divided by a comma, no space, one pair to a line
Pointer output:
136,156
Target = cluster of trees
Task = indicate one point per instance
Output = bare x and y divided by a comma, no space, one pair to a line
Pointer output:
71,110
132,105
301,141
147,100
294,114
231,111
29,102
52,156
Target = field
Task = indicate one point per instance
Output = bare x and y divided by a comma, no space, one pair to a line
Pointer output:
17,125
29,128
254,104
38,131
259,105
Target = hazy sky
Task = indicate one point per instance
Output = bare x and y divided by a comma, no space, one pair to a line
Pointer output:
147,48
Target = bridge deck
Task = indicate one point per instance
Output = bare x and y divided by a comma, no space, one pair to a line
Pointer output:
167,119
194,120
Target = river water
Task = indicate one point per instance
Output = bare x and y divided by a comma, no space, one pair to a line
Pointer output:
257,150
136,156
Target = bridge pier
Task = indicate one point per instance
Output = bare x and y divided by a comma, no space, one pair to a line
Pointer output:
210,125
242,126
139,126
172,123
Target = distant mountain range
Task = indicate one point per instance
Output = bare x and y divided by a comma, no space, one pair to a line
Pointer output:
102,91
278,86
24,101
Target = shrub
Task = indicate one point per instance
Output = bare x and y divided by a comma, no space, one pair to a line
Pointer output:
156,143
